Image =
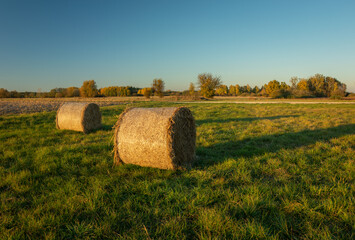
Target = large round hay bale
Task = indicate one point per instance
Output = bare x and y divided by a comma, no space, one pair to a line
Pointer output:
156,137
78,116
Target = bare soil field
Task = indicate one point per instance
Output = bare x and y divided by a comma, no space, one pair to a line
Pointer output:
29,105
32,105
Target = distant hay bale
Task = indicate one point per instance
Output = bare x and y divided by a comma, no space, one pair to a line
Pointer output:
77,116
155,137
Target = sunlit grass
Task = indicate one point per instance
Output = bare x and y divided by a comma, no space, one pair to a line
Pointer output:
263,171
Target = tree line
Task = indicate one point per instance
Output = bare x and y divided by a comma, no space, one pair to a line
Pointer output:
89,89
314,86
209,86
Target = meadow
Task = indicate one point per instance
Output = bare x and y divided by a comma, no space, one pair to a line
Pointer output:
263,171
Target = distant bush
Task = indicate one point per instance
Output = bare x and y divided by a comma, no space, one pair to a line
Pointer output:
280,93
297,93
59,95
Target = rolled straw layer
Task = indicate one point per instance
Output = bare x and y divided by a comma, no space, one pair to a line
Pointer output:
156,137
77,116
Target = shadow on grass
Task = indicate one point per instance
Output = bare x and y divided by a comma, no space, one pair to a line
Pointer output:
104,127
271,143
204,121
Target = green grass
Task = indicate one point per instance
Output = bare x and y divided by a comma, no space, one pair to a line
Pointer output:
274,171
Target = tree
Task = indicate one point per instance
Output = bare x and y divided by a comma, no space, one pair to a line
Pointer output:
338,91
114,91
247,88
89,89
294,81
334,87
57,92
303,85
232,90
158,87
256,90
317,85
275,89
208,84
14,94
192,90
237,90
4,93
272,86
284,86
222,90
263,91
146,92
59,95
72,92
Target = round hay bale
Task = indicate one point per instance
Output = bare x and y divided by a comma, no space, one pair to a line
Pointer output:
79,116
155,137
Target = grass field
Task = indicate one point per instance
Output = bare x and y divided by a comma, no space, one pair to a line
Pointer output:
264,171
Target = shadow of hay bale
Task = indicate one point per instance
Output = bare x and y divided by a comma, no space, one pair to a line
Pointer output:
250,147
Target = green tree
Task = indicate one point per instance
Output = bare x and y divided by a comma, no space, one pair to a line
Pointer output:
208,84
89,89
158,87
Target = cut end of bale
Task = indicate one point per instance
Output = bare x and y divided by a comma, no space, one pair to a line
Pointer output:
156,137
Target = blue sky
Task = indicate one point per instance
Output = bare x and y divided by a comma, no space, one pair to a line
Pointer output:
48,44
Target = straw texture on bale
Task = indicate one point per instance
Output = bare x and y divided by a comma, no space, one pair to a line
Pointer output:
77,116
156,137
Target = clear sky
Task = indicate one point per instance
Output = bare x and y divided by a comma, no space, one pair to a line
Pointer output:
47,44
